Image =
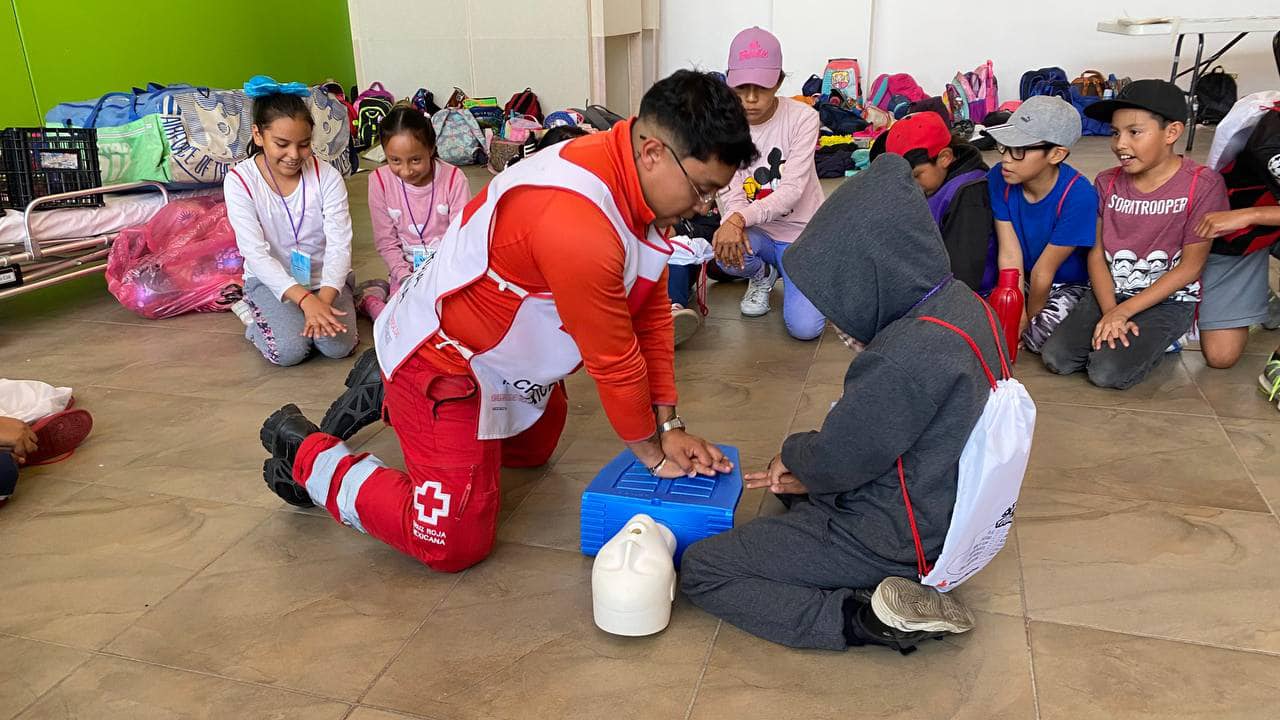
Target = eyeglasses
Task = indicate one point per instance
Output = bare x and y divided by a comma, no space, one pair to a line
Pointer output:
704,199
1018,153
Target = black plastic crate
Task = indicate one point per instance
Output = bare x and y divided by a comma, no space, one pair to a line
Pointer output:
35,162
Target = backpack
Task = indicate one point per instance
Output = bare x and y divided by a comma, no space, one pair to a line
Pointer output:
1235,128
840,121
1045,81
459,139
1090,83
524,102
371,106
935,104
425,102
886,87
978,91
1215,94
956,101
840,74
991,469
1088,126
812,86
1115,85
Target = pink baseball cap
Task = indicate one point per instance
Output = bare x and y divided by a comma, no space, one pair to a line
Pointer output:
755,58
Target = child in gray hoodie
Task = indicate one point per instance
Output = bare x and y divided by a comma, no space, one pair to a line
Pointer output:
873,262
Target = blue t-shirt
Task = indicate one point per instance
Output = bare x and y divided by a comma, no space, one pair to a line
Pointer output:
1042,223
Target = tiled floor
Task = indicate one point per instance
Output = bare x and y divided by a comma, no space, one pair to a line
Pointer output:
153,575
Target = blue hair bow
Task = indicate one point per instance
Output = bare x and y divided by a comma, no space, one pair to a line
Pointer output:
261,85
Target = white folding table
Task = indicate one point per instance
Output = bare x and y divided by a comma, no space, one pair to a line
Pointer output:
1180,27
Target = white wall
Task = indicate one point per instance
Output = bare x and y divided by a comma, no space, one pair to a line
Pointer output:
934,40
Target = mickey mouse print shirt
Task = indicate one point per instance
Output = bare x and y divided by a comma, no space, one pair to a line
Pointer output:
779,192
1143,234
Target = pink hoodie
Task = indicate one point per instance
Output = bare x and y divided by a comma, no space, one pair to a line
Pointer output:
405,216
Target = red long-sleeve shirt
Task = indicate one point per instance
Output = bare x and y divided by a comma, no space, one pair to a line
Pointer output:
553,240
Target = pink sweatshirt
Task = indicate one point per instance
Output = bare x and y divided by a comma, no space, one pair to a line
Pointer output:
779,192
398,227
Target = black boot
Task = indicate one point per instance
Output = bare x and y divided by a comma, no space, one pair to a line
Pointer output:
281,435
361,404
862,627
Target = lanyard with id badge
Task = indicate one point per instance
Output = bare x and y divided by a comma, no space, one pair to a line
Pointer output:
419,254
299,262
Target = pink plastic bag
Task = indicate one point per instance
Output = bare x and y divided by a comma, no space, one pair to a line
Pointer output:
182,260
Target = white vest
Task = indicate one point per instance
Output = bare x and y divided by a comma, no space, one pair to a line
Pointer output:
516,376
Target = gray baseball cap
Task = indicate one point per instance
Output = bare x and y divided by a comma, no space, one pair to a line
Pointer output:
1041,119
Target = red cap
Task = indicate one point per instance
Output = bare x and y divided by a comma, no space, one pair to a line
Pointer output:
923,130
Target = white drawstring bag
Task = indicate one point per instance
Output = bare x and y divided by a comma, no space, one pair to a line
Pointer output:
30,400
1235,128
991,469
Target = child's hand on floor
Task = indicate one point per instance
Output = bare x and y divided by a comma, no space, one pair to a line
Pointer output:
321,317
777,478
1114,326
731,243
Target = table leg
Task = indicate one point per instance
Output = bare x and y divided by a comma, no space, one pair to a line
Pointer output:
1177,56
1195,80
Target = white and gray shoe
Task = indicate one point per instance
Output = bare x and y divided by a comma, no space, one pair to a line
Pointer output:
909,606
755,302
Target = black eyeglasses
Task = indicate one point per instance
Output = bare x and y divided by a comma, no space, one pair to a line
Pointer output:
1017,153
704,199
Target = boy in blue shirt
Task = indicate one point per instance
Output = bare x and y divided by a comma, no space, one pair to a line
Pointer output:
1045,212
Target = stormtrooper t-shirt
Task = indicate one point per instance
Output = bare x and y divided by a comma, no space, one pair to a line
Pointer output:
1143,234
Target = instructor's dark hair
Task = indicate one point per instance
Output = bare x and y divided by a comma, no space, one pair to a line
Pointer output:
702,117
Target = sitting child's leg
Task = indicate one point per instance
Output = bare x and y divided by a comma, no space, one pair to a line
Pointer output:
770,578
1067,349
803,320
1123,367
8,476
277,326
1062,298
341,345
680,281
1234,292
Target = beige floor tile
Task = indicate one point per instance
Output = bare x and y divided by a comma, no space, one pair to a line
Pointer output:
1181,572
516,639
1084,674
735,347
68,352
366,713
303,603
549,517
1234,392
39,488
29,311
30,669
1171,458
83,572
1258,444
1169,388
815,404
114,689
983,674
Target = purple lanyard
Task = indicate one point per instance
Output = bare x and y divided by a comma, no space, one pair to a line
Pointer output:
430,206
945,279
302,178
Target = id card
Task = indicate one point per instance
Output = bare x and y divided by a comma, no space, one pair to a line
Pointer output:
422,256
300,263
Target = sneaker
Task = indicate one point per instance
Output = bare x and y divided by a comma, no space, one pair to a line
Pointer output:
59,434
1269,380
687,322
1273,313
244,311
756,302
864,627
1176,345
911,607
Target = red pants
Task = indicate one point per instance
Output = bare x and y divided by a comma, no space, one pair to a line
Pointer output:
444,509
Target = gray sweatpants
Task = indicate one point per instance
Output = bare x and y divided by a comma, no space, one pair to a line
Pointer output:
277,327
784,578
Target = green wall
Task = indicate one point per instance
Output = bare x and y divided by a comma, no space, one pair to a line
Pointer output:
80,49
19,105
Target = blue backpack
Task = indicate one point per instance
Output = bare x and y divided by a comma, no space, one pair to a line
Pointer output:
1045,81
1088,126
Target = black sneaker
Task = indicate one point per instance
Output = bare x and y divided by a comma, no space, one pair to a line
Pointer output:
284,431
862,627
361,404
279,478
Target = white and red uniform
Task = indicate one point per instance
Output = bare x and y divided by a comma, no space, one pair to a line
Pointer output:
554,266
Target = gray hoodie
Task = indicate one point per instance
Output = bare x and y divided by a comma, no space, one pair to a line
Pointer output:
865,260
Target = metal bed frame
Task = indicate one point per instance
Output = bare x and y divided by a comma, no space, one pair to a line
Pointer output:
46,263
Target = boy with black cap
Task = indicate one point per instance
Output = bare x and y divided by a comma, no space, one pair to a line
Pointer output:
1045,211
839,568
1146,266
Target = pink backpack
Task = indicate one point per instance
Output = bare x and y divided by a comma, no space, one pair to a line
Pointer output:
975,95
886,87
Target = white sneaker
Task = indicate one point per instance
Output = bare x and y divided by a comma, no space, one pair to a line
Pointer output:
243,311
687,322
756,302
912,607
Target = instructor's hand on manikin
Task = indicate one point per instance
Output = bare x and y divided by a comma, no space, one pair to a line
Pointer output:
689,455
